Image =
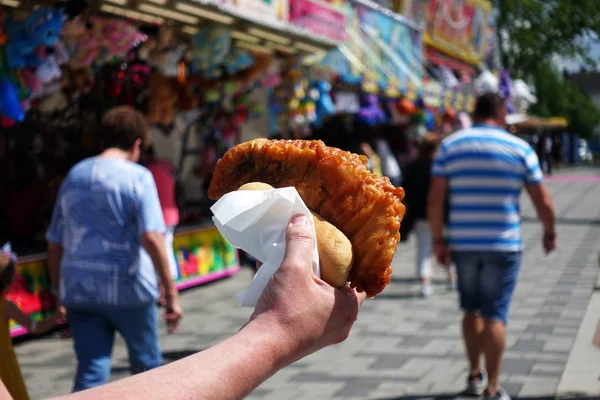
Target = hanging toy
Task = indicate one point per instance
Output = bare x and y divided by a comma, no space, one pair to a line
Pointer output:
237,60
429,121
324,104
406,107
262,61
504,87
107,38
161,93
272,75
10,106
41,28
370,112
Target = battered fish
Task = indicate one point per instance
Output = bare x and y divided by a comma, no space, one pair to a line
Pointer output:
333,183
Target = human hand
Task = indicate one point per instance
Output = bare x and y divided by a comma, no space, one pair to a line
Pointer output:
300,309
549,242
442,254
173,312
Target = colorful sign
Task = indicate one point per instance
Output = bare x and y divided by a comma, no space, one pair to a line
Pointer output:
202,251
319,17
382,50
30,290
273,11
458,28
460,99
202,255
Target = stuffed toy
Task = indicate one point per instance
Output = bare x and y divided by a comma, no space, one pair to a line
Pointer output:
262,62
105,39
161,109
406,107
162,51
10,105
272,76
41,28
324,104
370,112
237,60
505,88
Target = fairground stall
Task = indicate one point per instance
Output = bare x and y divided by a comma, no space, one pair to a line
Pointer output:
200,71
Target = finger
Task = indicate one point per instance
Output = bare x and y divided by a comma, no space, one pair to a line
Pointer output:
299,243
361,297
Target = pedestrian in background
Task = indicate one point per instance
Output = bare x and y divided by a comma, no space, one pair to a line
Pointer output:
163,173
107,213
484,169
417,177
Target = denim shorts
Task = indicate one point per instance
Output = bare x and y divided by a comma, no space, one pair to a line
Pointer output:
486,281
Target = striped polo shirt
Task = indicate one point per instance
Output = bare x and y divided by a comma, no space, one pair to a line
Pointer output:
486,168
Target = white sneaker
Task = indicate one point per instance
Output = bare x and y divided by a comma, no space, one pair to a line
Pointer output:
500,395
426,291
476,385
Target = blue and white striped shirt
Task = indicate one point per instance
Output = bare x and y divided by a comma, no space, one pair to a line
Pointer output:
486,168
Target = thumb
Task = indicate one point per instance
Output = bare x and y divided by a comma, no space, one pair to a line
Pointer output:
299,243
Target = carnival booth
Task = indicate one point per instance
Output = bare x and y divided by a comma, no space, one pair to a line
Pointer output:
200,71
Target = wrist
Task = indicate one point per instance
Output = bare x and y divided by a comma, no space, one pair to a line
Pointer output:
171,291
275,344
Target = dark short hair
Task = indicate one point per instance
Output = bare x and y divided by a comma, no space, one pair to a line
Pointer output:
122,126
7,272
428,146
488,105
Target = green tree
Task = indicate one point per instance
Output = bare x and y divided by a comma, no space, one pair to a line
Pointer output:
558,97
534,31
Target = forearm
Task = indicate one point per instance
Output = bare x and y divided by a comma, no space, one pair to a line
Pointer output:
159,258
55,253
229,370
547,217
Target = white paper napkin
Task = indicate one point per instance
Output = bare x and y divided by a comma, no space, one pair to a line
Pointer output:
256,222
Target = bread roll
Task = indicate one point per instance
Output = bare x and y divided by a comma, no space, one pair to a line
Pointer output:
335,250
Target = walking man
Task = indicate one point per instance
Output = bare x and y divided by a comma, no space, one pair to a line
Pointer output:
483,169
106,214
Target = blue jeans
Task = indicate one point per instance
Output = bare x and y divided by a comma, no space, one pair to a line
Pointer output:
486,281
93,337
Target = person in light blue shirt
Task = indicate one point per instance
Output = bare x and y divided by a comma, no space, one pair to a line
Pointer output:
105,249
483,169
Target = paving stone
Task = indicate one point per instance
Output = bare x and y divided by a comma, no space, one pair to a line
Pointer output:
528,345
517,366
388,361
540,329
358,388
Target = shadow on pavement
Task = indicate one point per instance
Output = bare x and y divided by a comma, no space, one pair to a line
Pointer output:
565,221
446,396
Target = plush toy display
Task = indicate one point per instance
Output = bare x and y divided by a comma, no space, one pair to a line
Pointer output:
10,105
105,39
41,28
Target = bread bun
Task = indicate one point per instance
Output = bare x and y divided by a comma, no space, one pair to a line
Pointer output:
335,250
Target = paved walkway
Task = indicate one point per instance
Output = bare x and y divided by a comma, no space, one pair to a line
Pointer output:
405,347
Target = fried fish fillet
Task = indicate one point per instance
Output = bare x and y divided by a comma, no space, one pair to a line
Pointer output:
333,183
